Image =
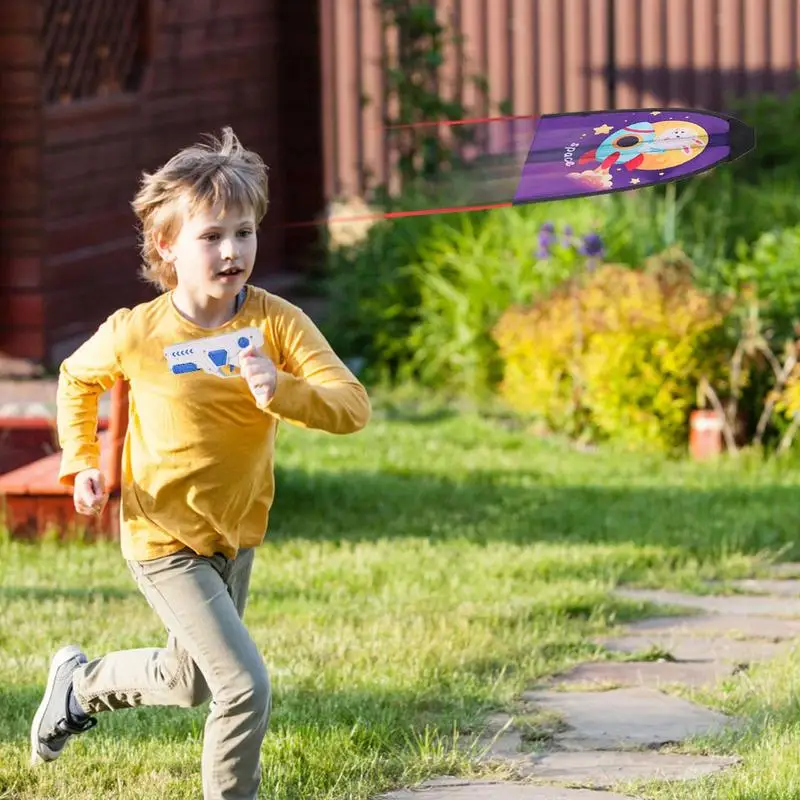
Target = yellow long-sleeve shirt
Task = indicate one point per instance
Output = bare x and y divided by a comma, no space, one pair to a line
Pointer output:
197,464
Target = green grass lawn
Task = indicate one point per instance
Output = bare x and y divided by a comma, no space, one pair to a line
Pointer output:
416,577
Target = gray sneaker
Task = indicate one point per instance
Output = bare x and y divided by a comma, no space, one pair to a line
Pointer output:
53,725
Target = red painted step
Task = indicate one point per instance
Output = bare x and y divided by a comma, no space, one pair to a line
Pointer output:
33,502
27,439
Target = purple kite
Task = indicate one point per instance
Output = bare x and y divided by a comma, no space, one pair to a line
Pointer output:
514,160
574,155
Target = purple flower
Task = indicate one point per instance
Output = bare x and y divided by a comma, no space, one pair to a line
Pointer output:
546,239
567,239
592,246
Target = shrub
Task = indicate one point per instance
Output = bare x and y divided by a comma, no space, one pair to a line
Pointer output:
615,354
710,217
787,405
770,268
467,277
771,115
372,299
417,297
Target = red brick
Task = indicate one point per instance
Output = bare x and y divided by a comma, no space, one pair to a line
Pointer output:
23,163
193,40
22,342
18,125
79,310
90,271
20,85
19,50
22,240
27,222
98,120
21,15
81,160
166,41
226,36
26,197
20,307
239,8
220,70
21,272
195,10
76,232
102,194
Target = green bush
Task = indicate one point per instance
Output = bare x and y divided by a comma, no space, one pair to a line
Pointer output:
773,117
372,298
418,296
617,355
769,269
467,276
709,217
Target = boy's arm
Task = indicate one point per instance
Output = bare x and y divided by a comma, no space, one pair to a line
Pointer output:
91,370
314,388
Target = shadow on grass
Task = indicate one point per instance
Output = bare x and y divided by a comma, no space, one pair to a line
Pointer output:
524,507
374,717
40,593
417,416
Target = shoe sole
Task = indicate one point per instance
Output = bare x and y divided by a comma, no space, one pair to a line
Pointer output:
59,659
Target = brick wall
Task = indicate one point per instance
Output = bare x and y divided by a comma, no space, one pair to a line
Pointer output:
208,63
21,296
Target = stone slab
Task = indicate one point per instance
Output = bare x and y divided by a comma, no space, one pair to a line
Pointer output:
500,739
626,718
700,648
789,587
455,789
603,769
787,569
734,604
737,625
645,673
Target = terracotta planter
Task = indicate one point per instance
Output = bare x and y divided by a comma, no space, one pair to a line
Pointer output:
705,434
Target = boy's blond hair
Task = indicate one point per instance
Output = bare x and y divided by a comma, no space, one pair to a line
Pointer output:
197,177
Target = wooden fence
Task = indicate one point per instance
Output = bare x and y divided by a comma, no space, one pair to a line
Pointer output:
544,56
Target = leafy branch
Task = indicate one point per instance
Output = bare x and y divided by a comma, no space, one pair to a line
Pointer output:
412,82
753,350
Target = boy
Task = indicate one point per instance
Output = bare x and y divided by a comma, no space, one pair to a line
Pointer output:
197,465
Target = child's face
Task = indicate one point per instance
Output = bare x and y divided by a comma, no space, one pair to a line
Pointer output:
214,251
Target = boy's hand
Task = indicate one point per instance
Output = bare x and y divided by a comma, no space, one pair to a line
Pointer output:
89,492
260,373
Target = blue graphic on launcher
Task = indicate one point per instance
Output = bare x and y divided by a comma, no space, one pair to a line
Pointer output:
214,355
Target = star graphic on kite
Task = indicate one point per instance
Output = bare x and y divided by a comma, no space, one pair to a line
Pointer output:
654,113
604,128
635,181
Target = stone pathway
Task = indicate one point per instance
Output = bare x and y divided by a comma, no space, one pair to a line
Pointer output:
602,724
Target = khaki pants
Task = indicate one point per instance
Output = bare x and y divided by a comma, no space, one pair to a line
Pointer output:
209,654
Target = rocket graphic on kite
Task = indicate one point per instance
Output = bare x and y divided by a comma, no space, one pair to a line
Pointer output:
578,154
649,145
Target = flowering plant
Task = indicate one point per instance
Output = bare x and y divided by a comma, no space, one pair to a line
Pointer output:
568,252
